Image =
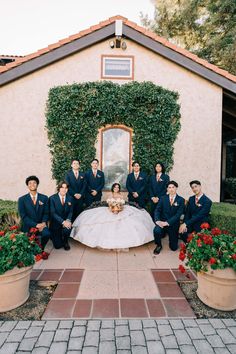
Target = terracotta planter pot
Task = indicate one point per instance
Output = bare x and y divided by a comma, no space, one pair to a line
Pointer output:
217,288
14,288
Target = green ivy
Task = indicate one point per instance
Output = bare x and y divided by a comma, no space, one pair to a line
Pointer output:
75,113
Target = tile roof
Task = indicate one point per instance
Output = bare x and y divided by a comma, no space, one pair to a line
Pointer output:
146,32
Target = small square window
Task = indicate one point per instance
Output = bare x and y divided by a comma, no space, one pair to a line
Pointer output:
117,67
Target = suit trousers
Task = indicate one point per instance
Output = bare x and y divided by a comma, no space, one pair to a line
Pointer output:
60,237
77,207
172,232
44,236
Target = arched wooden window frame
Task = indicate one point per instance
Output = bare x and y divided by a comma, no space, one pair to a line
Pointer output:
117,126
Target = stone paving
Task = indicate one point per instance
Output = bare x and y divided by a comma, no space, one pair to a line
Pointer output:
119,336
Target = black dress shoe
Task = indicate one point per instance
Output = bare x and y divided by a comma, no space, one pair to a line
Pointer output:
66,246
157,250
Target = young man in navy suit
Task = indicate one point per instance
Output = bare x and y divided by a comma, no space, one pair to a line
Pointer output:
95,183
197,212
77,187
34,210
136,185
167,217
61,211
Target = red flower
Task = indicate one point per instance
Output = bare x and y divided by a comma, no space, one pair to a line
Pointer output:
216,231
182,256
207,240
190,237
45,255
2,233
32,238
15,227
199,242
181,268
205,225
38,257
234,242
212,260
234,256
183,247
33,230
12,236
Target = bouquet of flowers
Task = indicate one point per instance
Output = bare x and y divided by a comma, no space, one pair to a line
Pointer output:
115,205
215,248
18,249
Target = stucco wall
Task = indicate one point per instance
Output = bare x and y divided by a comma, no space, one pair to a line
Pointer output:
23,136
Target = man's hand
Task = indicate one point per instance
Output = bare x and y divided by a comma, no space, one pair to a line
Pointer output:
77,196
155,199
182,228
135,194
41,226
162,223
67,224
94,193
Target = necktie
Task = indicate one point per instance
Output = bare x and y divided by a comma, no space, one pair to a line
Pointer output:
76,174
196,199
94,174
136,176
63,200
34,200
171,200
158,178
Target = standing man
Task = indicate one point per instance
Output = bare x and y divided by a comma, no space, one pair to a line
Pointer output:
95,183
136,185
77,187
197,212
34,210
167,217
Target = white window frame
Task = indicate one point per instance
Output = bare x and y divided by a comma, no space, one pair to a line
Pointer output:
118,57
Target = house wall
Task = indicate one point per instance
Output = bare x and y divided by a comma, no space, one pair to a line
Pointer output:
24,144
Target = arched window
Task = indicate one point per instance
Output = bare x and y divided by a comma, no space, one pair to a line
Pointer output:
116,153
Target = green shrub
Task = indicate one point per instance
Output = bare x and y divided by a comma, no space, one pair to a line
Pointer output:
230,186
76,112
223,216
8,213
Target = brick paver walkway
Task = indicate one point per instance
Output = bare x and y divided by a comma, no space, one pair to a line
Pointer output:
119,336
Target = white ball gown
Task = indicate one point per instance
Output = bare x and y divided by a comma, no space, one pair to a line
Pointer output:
99,227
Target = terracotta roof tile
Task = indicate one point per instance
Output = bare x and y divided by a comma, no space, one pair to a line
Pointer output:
131,24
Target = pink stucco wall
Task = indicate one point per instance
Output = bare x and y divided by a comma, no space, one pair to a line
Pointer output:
24,140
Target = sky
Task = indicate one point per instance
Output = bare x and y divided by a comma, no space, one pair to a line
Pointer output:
29,25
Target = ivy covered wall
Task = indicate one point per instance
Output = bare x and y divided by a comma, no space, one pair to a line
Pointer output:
76,112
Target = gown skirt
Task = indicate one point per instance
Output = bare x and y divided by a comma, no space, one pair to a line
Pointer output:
99,227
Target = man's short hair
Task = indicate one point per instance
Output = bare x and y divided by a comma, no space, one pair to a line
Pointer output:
174,184
195,182
32,178
95,160
75,159
60,184
135,163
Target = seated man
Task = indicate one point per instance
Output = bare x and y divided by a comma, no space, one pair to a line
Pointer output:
167,217
34,210
197,212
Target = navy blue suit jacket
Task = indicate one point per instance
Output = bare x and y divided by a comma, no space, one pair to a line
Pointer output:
139,185
158,188
197,214
170,213
31,214
59,212
76,185
95,183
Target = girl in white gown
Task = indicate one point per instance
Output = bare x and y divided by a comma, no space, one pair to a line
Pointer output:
102,228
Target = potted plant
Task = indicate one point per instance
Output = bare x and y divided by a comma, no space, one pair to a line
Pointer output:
212,255
18,253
